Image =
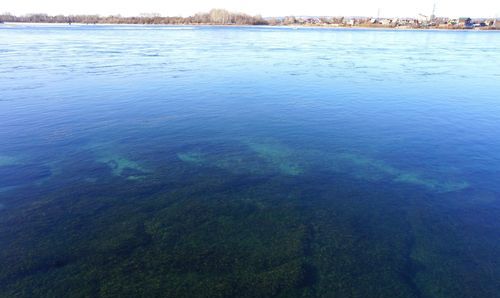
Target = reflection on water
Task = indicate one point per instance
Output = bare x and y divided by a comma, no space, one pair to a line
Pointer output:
248,162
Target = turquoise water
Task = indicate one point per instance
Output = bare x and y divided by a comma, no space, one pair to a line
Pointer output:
144,161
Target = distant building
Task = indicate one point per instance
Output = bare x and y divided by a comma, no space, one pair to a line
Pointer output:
465,22
385,22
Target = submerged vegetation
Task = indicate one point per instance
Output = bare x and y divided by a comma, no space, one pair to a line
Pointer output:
272,157
121,166
251,220
7,160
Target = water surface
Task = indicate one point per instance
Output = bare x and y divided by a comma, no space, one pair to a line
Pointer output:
248,162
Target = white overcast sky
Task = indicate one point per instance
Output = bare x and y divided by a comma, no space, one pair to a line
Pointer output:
388,8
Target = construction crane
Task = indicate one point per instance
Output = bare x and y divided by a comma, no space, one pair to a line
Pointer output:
433,14
431,18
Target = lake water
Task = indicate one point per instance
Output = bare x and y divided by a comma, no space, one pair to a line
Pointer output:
142,161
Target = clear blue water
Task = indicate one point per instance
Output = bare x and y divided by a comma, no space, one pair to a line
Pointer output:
249,161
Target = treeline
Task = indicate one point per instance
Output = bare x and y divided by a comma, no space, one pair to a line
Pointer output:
215,16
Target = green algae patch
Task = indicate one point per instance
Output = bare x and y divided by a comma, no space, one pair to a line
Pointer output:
124,167
135,178
245,158
233,162
290,169
279,156
115,158
362,167
436,185
8,160
376,170
191,157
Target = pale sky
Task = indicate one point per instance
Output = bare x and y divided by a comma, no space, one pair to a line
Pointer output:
388,8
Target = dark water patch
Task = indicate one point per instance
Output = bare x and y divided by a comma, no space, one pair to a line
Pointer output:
14,175
150,55
233,233
219,232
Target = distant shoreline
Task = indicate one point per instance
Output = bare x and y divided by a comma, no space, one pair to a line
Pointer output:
222,17
296,26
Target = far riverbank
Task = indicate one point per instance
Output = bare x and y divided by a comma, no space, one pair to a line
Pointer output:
405,28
